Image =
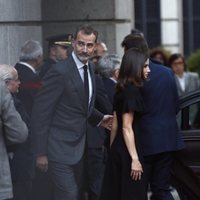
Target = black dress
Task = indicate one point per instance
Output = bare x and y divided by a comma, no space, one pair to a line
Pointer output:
118,185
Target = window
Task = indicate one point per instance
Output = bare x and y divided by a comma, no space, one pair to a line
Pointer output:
147,19
191,17
189,117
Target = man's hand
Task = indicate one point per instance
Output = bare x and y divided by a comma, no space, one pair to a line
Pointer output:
107,121
42,163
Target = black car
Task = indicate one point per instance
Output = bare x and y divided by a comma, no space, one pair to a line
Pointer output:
186,168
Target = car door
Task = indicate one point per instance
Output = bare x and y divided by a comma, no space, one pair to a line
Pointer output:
186,168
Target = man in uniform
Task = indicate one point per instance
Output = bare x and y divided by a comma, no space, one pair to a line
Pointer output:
59,47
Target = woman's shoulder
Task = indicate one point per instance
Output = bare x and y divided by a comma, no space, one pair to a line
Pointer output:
131,89
132,99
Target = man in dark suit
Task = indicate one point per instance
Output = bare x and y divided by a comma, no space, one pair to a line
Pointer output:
97,140
62,109
160,136
31,56
59,47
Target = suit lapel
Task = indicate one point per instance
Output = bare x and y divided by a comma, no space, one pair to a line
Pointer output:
180,91
187,80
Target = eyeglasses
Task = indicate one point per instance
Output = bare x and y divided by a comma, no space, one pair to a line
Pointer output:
178,63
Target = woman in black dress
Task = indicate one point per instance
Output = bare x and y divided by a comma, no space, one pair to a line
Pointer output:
124,176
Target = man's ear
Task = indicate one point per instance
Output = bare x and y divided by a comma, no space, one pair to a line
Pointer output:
116,73
73,43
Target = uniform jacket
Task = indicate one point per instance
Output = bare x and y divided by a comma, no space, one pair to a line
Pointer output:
12,130
48,63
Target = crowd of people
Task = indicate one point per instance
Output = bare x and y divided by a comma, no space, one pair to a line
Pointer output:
85,124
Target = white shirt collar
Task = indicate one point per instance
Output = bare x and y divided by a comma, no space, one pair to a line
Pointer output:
79,64
29,66
113,80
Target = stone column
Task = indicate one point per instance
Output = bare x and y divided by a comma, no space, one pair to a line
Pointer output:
172,25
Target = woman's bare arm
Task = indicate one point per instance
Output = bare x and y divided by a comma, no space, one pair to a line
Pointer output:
129,138
114,128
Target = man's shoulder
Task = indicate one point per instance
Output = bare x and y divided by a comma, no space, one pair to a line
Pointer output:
21,68
63,67
193,74
157,67
66,62
48,63
19,65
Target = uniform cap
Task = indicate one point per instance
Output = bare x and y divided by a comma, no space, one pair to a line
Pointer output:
61,40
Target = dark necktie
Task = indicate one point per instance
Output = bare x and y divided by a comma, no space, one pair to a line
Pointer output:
86,84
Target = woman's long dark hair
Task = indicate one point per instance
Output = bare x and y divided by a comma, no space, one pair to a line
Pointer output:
131,70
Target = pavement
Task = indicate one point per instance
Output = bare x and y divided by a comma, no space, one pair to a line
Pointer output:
174,194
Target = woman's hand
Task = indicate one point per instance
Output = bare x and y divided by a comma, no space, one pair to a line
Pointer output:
136,169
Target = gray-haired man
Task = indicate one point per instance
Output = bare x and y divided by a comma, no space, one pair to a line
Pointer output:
30,60
12,130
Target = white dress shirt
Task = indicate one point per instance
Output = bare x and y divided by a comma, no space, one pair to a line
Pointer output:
182,81
80,65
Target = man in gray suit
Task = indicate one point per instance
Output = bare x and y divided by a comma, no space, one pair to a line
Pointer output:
12,130
62,109
186,81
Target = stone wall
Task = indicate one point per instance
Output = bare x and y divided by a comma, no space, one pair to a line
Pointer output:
112,19
19,21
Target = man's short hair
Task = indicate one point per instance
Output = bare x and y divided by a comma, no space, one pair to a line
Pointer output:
6,72
135,41
86,29
137,31
30,50
108,64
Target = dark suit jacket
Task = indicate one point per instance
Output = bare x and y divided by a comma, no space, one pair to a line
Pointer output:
28,87
110,88
97,136
23,163
159,130
60,114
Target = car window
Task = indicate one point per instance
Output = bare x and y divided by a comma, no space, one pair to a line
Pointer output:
189,117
